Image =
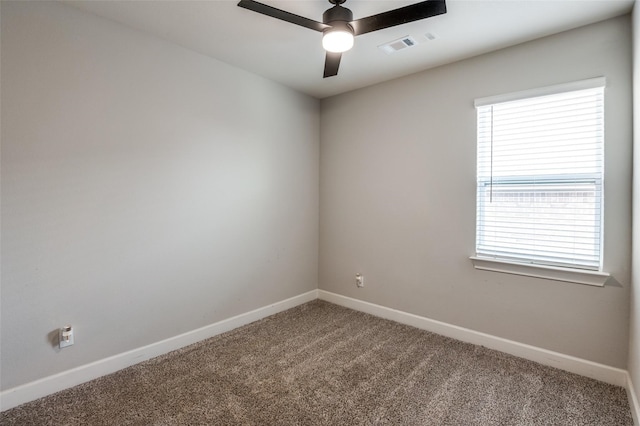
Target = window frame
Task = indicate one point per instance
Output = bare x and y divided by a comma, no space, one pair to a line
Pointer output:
517,265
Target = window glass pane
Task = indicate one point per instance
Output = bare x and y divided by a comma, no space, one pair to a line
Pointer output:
540,170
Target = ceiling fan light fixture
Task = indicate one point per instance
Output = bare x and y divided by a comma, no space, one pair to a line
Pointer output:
338,39
339,28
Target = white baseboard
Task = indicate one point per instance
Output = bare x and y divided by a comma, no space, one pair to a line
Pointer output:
31,391
604,373
633,401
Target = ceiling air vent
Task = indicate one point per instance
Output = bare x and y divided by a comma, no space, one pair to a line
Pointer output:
400,44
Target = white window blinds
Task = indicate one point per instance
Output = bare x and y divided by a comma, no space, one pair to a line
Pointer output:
540,171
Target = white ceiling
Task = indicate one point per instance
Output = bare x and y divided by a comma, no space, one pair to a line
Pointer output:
293,55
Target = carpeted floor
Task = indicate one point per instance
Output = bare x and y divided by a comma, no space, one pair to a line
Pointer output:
321,364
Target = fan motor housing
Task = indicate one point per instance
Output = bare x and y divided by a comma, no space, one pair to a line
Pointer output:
337,13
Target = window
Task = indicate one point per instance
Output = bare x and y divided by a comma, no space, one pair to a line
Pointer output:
540,175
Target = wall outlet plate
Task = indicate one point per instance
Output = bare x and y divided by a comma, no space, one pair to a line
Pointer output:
66,336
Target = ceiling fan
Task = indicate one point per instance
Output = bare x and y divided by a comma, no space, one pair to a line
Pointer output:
339,28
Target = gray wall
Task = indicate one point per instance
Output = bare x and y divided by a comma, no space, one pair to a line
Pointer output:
397,197
146,190
634,328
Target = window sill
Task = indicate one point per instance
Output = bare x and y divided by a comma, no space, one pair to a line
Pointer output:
579,276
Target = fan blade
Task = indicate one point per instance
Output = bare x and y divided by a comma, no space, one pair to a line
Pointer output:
282,15
331,64
403,15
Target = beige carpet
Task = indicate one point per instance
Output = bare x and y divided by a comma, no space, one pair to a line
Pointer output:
321,364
